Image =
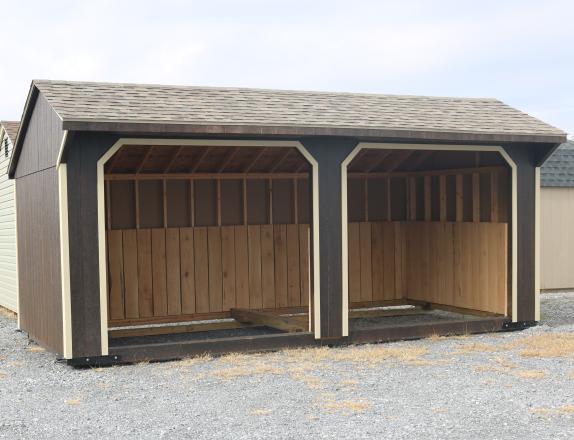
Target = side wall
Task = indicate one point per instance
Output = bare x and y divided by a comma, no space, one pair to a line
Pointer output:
39,229
557,238
525,157
82,156
8,266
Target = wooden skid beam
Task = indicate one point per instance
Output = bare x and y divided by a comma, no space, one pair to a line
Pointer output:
447,308
382,313
267,319
175,329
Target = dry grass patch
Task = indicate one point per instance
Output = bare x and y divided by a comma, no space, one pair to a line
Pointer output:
259,369
302,375
477,347
347,406
375,354
530,374
260,412
35,349
74,402
7,313
562,410
190,362
546,345
2,375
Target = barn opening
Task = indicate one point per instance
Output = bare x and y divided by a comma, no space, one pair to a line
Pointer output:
207,241
429,235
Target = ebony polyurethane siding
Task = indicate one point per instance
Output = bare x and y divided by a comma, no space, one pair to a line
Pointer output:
37,204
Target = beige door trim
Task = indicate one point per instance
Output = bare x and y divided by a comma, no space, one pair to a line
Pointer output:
313,305
437,147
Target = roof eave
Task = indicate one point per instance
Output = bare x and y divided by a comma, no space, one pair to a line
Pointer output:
25,119
179,129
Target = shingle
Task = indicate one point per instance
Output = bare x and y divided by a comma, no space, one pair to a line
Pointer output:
108,102
558,170
11,128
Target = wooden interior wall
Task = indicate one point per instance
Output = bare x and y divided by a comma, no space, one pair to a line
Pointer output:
186,247
188,273
457,264
449,245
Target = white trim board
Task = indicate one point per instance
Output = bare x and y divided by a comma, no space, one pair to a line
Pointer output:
434,147
537,244
65,262
314,305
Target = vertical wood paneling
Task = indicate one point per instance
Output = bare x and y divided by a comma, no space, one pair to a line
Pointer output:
366,264
378,260
201,270
130,270
280,239
173,267
267,267
293,276
354,262
159,272
215,269
389,268
400,247
187,271
228,266
241,267
145,282
116,281
254,242
304,268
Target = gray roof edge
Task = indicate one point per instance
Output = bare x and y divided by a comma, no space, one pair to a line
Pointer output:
304,130
39,82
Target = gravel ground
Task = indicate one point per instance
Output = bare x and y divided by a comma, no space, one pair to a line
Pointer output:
499,386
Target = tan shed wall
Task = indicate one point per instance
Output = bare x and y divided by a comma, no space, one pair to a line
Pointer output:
557,238
8,266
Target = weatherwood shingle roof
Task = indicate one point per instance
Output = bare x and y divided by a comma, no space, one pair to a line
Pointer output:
81,103
558,170
11,128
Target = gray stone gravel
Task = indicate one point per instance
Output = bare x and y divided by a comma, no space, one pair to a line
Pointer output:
461,388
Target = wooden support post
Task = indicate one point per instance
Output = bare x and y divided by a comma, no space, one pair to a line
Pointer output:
218,206
270,195
494,197
412,184
295,202
268,319
428,210
245,201
389,202
192,202
366,198
137,196
476,197
442,197
459,194
164,203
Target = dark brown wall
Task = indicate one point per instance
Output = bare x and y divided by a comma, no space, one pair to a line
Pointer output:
330,153
39,276
83,154
42,141
39,258
525,157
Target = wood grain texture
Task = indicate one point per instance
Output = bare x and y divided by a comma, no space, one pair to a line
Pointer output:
206,271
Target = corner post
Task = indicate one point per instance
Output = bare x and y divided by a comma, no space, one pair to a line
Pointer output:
330,154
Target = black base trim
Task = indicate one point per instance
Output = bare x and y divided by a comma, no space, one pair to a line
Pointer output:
519,325
95,361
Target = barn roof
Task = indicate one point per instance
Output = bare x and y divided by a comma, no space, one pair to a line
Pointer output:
101,106
11,128
558,170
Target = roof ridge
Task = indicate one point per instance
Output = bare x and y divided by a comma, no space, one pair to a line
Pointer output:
262,89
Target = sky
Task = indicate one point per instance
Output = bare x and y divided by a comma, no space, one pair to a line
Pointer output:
521,52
